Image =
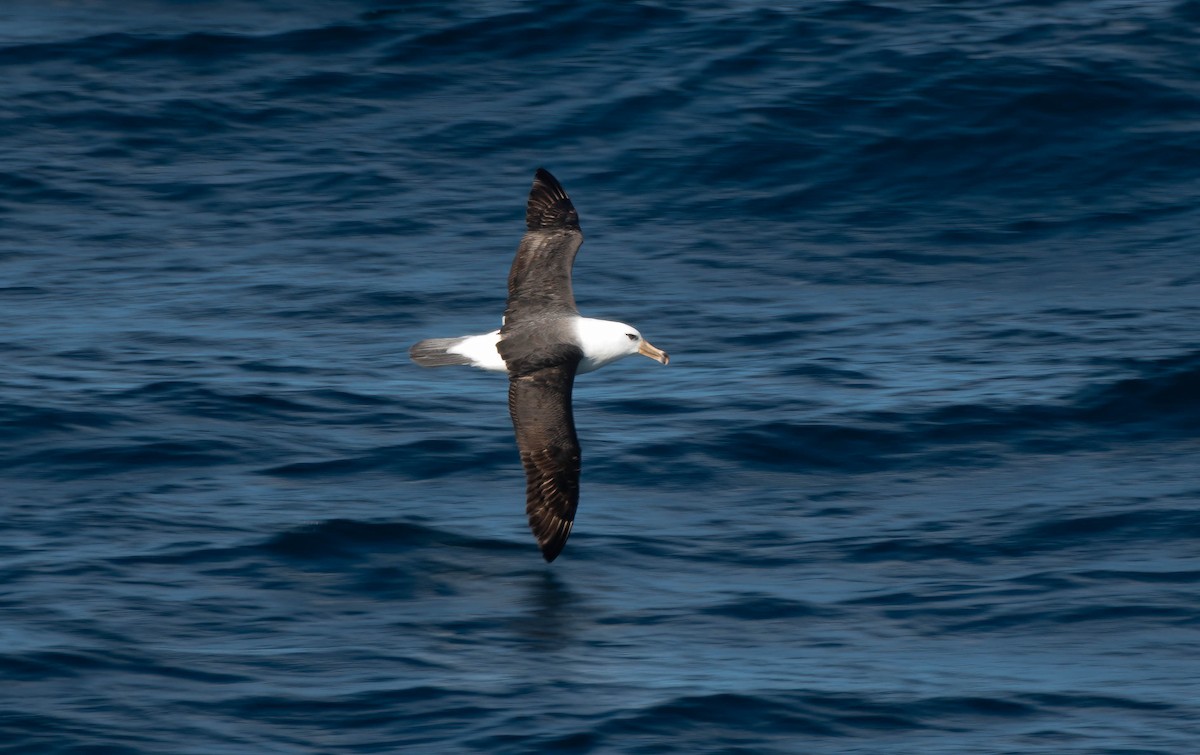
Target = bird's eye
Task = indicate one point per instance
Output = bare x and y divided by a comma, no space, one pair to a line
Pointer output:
631,336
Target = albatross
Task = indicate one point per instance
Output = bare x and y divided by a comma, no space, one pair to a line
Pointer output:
542,345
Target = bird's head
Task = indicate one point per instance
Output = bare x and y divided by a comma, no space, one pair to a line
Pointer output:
605,341
638,345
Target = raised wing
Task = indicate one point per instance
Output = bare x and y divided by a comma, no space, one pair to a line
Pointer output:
539,283
540,405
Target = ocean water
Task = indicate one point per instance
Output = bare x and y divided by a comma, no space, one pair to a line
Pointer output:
921,476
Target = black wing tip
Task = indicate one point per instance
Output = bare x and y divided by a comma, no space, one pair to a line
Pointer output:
553,547
551,532
549,206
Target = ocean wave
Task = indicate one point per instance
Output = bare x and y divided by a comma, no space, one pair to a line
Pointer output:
22,422
341,537
1163,399
330,539
127,454
420,459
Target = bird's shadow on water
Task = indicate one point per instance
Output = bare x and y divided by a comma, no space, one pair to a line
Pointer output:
553,615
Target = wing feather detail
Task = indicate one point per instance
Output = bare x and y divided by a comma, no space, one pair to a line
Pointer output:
540,405
539,282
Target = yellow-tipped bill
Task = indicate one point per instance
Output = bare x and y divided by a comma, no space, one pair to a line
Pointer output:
647,350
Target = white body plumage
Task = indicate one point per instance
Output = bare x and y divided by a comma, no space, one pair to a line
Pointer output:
602,341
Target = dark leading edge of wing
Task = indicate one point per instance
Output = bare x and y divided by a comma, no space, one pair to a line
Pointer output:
539,283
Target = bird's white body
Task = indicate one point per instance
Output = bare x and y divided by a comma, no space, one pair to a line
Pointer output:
481,350
602,341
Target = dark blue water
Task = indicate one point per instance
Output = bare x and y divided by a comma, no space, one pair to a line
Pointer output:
920,478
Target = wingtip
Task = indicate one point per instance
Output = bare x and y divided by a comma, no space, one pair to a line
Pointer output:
551,549
551,533
549,205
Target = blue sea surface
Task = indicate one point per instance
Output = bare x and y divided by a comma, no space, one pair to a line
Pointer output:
921,477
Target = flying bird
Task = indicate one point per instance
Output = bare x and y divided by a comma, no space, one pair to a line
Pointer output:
543,344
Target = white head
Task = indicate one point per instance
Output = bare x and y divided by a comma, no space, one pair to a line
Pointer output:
605,341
